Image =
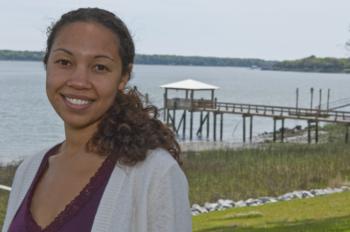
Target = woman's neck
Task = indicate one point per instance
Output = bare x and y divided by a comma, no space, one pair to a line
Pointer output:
77,139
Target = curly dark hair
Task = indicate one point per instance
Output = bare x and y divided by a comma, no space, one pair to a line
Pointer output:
129,129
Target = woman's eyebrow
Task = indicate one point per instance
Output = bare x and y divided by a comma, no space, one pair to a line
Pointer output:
95,57
104,56
63,50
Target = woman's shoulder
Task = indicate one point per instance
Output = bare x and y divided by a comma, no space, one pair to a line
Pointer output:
160,160
160,156
24,176
30,164
157,162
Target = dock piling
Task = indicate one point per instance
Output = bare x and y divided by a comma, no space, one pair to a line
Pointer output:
244,117
221,125
251,129
316,132
347,133
282,130
309,131
274,129
208,123
214,126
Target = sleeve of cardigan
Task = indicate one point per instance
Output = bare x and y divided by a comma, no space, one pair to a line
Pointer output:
13,198
169,209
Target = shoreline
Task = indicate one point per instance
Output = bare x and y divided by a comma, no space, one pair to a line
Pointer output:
298,136
292,135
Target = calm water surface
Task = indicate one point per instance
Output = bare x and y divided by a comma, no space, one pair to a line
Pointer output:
29,124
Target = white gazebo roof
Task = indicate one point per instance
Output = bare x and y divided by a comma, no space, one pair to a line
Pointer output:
190,85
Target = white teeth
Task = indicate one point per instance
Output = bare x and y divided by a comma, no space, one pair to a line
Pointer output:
77,101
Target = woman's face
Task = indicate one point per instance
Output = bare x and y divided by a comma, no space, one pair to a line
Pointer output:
84,73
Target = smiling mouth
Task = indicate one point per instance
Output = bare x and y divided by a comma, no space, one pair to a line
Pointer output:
76,101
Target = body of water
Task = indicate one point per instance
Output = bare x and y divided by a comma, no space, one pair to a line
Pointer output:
28,123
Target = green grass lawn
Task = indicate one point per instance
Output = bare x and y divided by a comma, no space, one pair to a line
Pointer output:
270,170
324,213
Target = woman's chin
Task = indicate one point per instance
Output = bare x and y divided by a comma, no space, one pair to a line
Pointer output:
80,124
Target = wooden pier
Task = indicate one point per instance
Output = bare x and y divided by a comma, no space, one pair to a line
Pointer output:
210,109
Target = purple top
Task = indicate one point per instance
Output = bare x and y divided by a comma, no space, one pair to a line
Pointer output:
78,215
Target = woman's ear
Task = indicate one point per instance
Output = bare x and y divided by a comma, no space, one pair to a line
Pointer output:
125,78
123,82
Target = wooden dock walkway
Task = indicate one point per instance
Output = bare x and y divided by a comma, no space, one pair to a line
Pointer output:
333,116
277,113
211,108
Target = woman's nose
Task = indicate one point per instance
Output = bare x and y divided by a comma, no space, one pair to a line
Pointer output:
79,78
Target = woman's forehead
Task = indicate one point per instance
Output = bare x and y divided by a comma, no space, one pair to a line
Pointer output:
87,38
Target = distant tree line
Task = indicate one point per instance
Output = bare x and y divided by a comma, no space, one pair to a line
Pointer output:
202,61
157,59
20,55
315,64
308,64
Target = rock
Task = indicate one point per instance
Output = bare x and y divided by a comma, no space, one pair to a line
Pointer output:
240,204
318,192
285,197
297,195
267,199
211,206
257,203
195,213
306,194
338,190
225,204
196,207
253,202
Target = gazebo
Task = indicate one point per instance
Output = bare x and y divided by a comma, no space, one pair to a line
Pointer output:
187,103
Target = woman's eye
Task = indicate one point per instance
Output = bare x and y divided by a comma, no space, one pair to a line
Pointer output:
101,68
63,62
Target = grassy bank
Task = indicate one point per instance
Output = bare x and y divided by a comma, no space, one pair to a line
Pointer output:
270,170
6,175
3,203
320,214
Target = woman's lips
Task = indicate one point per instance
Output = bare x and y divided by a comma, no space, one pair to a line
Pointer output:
77,103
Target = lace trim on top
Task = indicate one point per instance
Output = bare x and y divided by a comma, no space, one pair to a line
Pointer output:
77,203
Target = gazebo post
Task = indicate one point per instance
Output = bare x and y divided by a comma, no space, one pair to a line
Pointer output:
184,118
167,115
165,96
174,118
191,115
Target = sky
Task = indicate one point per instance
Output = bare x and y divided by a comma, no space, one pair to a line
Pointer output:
266,29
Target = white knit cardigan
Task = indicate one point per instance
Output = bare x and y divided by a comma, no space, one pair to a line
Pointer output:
151,196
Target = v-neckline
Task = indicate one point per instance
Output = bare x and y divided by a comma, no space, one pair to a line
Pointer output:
73,206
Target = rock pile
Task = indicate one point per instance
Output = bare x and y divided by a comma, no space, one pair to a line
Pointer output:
222,204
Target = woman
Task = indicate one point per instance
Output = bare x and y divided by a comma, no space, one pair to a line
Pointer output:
117,169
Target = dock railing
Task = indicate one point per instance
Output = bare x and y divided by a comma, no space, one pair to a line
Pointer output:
283,111
182,103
